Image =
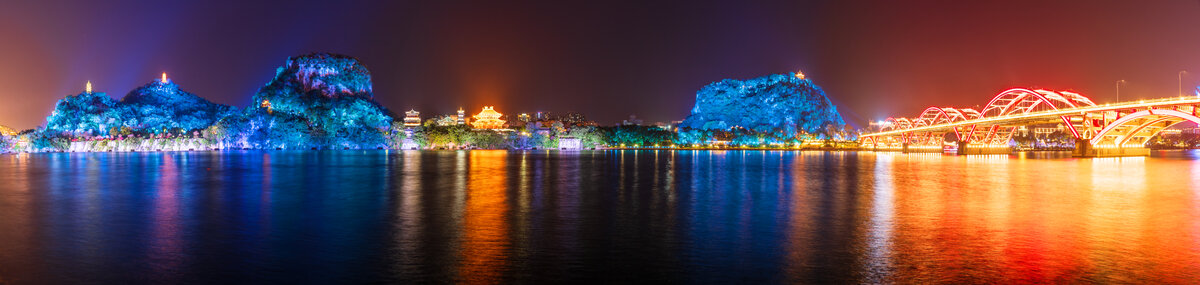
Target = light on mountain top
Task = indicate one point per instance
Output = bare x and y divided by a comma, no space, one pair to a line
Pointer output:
164,78
88,87
799,74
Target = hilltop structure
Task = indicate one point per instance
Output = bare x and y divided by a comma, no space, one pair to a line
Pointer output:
162,105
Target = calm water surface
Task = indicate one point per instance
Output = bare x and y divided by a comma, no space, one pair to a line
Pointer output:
608,216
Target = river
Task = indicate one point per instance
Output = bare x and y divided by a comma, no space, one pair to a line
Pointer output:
597,216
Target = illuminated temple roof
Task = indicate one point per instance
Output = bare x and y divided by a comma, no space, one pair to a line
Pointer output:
488,119
412,118
4,130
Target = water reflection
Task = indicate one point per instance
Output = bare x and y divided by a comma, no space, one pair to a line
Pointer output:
604,216
485,230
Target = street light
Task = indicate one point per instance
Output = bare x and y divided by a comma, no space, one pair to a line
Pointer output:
1119,89
1181,73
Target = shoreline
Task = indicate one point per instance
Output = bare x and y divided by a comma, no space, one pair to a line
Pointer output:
560,150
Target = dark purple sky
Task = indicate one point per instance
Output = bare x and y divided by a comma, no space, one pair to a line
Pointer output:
606,59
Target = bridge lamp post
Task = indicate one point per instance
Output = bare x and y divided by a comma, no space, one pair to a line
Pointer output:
1181,73
1119,89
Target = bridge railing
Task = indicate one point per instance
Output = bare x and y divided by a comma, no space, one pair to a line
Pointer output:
1048,113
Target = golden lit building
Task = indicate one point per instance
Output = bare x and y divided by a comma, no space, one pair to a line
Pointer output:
412,118
488,119
4,130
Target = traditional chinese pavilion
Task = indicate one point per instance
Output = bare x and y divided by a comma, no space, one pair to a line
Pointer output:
488,119
412,118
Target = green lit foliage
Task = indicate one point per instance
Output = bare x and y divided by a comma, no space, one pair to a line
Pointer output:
637,135
45,141
590,136
488,140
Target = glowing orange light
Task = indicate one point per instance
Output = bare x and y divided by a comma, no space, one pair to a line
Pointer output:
799,74
164,77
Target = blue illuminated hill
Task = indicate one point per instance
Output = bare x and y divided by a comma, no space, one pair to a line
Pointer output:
162,105
86,113
318,100
780,103
155,107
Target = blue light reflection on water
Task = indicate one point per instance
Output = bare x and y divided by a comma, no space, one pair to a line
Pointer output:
619,216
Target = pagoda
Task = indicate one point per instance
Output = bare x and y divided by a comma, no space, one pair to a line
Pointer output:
412,119
488,119
462,116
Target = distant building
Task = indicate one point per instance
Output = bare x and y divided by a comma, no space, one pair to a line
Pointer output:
878,126
462,116
1191,131
523,117
1047,131
632,121
445,121
409,142
7,131
412,119
574,118
266,104
488,119
669,126
570,143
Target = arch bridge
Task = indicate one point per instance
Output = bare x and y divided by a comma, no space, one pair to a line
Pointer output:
1118,129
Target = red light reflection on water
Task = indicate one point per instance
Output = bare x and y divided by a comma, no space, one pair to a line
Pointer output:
485,243
1007,221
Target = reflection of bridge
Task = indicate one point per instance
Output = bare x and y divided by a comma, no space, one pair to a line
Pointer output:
1099,130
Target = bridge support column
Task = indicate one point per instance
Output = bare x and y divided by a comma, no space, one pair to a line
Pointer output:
1084,148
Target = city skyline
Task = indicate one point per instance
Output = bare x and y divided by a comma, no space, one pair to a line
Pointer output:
873,58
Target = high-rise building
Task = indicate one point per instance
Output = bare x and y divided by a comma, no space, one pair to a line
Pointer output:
524,117
632,121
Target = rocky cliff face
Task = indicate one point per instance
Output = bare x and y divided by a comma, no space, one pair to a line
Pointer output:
780,103
316,100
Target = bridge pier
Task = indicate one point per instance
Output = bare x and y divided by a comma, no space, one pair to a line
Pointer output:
1084,148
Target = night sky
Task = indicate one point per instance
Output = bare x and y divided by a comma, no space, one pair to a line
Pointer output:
606,59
